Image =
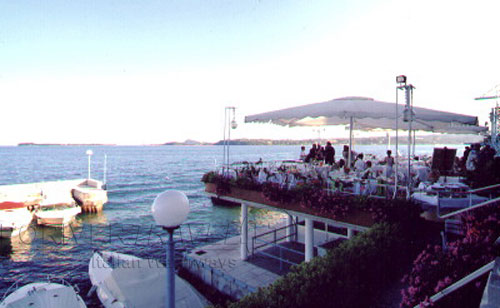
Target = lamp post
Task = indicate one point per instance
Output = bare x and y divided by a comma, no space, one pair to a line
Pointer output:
170,209
89,154
228,125
408,116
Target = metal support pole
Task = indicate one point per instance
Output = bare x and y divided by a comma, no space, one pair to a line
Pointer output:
224,143
349,159
350,233
409,105
88,169
244,231
105,170
289,229
170,260
414,143
397,147
309,240
228,136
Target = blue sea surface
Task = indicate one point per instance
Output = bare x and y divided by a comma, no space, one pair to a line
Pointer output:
135,176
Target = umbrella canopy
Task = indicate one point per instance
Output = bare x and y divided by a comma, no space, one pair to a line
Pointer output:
368,114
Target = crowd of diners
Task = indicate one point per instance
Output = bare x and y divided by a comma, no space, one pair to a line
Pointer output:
323,164
326,156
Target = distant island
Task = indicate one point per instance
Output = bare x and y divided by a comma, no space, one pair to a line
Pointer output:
381,140
429,139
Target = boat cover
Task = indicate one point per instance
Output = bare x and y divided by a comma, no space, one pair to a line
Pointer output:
138,283
44,295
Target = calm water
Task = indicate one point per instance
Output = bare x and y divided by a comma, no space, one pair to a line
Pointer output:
136,174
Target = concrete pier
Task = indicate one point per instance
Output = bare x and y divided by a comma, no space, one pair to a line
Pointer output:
53,193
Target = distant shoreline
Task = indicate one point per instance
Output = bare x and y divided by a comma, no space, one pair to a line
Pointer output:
428,140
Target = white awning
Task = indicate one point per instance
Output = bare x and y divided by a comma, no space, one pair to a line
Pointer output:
369,114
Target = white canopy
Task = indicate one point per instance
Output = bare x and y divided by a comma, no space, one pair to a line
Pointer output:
369,114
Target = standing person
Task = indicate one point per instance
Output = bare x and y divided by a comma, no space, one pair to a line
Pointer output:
345,152
329,154
320,153
312,154
472,158
303,154
389,163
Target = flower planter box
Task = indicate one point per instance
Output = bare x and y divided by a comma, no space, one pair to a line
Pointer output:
355,216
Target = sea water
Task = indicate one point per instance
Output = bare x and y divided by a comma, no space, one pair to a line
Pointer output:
135,176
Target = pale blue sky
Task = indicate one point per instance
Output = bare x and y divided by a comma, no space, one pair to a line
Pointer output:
134,72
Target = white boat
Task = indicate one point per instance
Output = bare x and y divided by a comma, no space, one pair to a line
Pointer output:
122,280
15,218
91,195
57,215
43,295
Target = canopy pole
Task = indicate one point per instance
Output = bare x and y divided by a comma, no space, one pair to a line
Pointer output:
224,144
409,105
397,147
350,142
414,142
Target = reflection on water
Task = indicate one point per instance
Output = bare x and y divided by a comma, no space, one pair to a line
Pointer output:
18,247
94,218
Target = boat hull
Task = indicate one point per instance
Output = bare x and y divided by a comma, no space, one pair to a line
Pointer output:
57,217
90,195
14,221
127,281
43,295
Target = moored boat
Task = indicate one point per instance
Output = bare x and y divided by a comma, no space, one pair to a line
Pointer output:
57,215
122,280
91,195
14,219
44,295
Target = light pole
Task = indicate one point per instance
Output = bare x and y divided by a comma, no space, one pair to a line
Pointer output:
228,125
170,209
89,154
408,116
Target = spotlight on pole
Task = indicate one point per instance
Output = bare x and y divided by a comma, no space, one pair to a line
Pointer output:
401,80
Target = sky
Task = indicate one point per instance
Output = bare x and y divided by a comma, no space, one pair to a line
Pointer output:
149,72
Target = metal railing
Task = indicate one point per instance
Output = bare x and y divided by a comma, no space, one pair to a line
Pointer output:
457,285
470,207
274,243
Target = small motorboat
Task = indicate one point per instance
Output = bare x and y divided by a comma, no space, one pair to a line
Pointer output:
122,280
58,215
14,218
43,295
90,195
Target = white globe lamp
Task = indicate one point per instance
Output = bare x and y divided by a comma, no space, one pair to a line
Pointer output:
170,209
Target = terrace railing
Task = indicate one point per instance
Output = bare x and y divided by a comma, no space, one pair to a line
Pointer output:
459,284
470,206
260,241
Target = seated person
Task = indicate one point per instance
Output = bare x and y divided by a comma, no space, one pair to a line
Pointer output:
303,154
368,173
359,164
